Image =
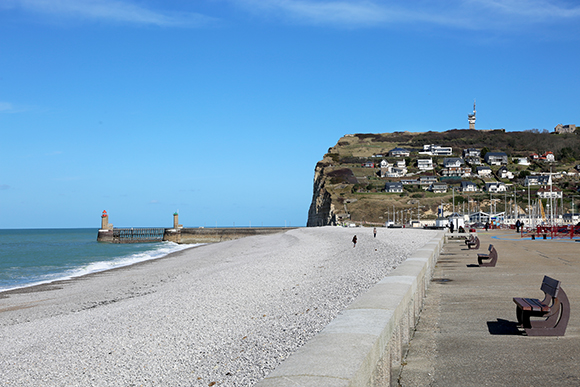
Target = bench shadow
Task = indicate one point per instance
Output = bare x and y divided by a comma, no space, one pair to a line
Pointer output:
472,265
503,327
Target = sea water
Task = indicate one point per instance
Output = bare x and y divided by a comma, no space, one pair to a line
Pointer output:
35,256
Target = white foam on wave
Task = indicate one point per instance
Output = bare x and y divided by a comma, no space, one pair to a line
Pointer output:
163,250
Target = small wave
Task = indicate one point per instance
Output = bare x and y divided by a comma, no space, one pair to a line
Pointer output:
164,249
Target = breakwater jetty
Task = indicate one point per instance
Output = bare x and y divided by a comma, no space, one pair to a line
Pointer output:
178,234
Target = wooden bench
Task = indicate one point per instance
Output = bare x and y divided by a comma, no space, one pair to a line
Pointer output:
554,310
492,256
472,243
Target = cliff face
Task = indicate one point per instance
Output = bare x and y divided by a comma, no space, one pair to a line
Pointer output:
321,212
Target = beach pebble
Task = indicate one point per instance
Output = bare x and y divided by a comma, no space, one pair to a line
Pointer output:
223,314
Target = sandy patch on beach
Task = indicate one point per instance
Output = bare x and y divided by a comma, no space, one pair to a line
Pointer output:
224,313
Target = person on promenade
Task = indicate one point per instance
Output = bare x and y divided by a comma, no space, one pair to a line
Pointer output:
486,226
518,225
451,227
354,241
375,232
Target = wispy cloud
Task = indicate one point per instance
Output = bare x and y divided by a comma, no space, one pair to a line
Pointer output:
4,187
465,14
6,107
123,11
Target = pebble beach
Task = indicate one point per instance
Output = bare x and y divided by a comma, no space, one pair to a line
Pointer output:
222,314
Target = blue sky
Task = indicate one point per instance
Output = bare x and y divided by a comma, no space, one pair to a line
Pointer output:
220,109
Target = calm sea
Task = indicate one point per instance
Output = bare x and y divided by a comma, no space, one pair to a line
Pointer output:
29,257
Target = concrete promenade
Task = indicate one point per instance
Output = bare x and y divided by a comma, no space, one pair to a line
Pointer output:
467,334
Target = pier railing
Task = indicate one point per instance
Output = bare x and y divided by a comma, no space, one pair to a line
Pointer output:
137,235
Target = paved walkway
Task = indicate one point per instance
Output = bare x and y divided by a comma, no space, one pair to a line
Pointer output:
467,334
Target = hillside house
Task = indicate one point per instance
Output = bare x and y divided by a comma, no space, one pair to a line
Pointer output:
496,158
385,164
560,129
547,157
452,162
399,152
495,187
468,186
425,164
474,152
394,187
401,164
427,180
546,193
534,157
522,161
456,172
368,164
438,188
409,181
437,150
536,180
483,171
472,160
395,172
503,173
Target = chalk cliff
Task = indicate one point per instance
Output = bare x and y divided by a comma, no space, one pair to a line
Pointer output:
321,212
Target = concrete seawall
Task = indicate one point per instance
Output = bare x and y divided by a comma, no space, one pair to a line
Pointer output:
189,235
365,344
213,235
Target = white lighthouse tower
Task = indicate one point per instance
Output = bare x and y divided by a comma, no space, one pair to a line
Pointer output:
471,117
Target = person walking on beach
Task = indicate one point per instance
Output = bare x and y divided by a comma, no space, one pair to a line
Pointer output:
354,241
375,232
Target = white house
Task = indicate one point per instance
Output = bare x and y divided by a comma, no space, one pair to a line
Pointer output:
425,164
495,187
394,187
427,180
545,193
437,150
468,186
401,164
504,173
548,157
438,188
399,152
496,158
483,171
537,180
452,162
522,161
385,164
472,152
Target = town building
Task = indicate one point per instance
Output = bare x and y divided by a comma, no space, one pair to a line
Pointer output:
495,187
547,193
438,188
437,150
503,173
483,171
425,164
452,162
560,129
399,152
496,158
536,180
468,186
394,187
